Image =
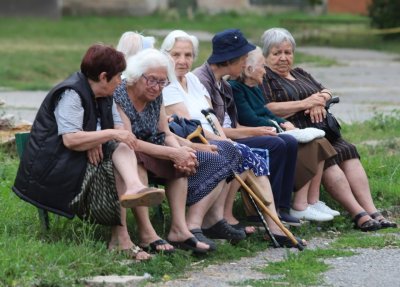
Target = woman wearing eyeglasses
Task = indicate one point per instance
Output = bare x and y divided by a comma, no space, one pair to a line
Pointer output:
193,178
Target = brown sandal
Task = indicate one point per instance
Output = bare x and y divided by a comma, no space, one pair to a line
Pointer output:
133,252
147,196
383,221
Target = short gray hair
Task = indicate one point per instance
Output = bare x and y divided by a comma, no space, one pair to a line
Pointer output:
144,60
179,35
276,36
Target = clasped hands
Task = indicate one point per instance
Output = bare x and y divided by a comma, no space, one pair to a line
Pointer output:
185,160
315,107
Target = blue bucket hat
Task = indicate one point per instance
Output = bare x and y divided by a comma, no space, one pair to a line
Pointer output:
227,45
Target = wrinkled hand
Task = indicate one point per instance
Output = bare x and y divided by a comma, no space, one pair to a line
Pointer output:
185,160
205,147
95,155
317,114
287,126
315,100
126,137
265,131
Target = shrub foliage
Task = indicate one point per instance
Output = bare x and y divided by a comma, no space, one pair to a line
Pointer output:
385,13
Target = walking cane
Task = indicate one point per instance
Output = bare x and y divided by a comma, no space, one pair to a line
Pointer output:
197,133
253,197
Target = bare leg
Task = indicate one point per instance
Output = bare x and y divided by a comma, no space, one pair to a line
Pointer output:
216,212
176,194
146,231
125,163
300,201
314,189
359,185
230,198
197,211
120,238
267,190
338,187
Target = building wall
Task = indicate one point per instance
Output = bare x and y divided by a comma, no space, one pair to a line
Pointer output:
260,6
112,7
31,8
223,5
349,6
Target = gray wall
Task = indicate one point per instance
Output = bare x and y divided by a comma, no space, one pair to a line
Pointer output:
31,8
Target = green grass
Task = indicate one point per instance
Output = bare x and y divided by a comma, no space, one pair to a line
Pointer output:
38,53
298,269
72,249
385,238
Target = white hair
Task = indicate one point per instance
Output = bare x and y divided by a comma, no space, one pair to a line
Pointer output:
132,42
276,36
251,60
145,60
179,35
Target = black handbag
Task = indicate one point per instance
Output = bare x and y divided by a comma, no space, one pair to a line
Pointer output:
184,127
330,125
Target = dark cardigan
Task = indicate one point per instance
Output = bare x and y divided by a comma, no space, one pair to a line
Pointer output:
250,105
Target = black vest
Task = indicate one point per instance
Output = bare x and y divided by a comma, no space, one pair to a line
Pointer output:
50,175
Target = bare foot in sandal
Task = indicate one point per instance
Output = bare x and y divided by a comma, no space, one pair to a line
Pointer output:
136,253
385,223
157,246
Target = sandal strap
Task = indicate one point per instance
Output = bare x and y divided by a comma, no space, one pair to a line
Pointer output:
358,216
375,215
369,224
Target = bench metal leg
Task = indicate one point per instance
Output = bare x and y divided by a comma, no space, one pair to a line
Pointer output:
44,219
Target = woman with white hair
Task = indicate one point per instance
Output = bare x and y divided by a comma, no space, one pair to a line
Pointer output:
129,44
187,97
193,178
132,42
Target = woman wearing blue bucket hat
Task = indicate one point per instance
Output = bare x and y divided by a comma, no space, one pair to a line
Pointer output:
228,58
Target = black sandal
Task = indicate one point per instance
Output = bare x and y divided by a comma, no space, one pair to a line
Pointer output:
222,230
383,221
152,247
239,226
189,244
369,225
198,233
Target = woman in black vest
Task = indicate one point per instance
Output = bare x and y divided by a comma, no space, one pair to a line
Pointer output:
78,133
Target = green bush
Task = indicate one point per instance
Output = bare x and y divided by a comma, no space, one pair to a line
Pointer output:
384,13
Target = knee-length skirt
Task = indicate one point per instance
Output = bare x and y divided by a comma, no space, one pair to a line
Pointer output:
212,169
345,151
309,155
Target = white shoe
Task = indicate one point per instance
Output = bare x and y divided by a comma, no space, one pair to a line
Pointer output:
322,207
310,214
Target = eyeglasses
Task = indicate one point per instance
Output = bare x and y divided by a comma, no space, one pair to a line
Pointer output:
152,82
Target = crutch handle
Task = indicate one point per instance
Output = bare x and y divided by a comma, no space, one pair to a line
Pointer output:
197,134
